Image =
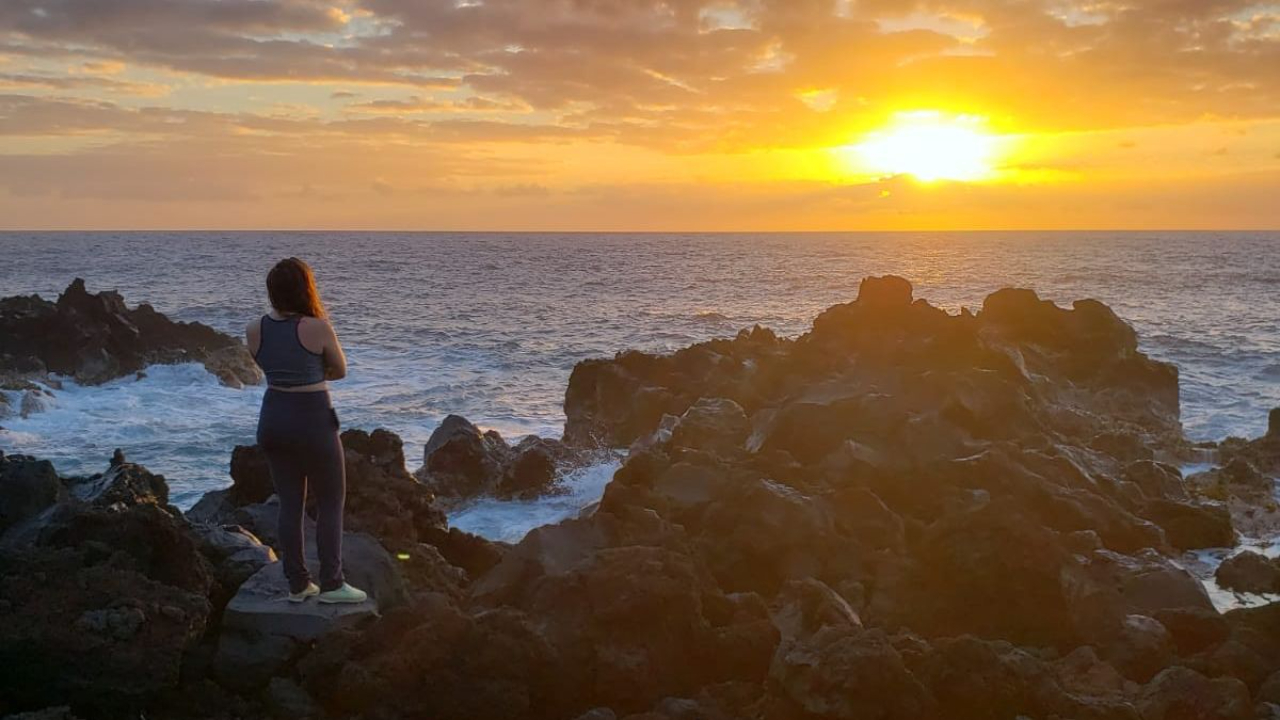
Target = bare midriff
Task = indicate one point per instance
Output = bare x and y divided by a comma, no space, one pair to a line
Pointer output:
313,387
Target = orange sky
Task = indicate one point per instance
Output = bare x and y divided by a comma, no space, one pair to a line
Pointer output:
637,114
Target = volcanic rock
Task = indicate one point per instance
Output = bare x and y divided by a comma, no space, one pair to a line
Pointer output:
1178,692
104,593
261,632
461,463
95,338
27,486
1191,526
1249,572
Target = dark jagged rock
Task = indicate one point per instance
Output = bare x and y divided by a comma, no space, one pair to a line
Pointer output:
461,463
1262,453
851,673
85,630
1248,494
470,458
124,483
121,515
471,553
434,660
27,486
829,665
61,712
1190,526
1120,603
250,475
1142,648
530,474
1019,341
1194,629
1249,572
968,579
261,634
975,678
1179,692
1270,689
714,425
104,593
1157,480
94,338
383,499
250,484
634,619
234,552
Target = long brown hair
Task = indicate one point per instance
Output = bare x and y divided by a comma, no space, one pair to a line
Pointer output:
292,289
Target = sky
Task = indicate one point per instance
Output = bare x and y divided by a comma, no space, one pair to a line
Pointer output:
640,115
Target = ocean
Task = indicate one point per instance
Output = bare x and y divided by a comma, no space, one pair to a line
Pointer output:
489,325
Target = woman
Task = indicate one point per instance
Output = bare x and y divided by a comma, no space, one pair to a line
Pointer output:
298,429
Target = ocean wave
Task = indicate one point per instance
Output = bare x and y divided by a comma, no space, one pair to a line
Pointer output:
511,520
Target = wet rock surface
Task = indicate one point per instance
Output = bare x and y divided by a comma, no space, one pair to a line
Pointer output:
461,463
1250,572
27,486
901,514
92,338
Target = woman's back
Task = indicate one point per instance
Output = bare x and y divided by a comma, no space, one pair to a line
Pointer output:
283,357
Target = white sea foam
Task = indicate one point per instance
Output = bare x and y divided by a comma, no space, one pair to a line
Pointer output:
180,422
1203,564
177,420
509,521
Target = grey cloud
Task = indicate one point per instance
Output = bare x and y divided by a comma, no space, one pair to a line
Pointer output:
650,72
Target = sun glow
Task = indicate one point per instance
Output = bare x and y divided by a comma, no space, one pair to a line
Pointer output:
929,146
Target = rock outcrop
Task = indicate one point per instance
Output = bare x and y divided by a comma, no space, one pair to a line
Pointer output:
114,601
460,463
103,593
260,634
92,338
901,514
1250,572
1249,495
27,486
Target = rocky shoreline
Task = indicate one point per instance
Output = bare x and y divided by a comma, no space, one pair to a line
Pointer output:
92,338
900,514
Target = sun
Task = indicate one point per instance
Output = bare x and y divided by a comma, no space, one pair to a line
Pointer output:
929,146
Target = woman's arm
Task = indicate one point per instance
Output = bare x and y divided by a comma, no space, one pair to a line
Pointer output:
251,336
335,361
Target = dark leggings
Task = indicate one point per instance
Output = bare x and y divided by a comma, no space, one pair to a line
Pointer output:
299,433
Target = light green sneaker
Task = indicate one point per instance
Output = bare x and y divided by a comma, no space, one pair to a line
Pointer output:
344,594
311,590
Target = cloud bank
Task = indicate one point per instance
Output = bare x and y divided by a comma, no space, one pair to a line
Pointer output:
208,102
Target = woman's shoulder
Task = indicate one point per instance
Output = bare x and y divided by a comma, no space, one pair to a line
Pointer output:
315,332
315,323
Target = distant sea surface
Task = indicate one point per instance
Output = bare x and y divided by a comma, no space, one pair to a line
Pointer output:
490,325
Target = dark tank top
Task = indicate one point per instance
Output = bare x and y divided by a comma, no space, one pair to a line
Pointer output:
282,356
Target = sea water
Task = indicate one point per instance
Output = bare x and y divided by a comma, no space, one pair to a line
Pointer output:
489,326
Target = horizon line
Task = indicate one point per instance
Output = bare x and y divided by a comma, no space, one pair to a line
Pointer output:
636,232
